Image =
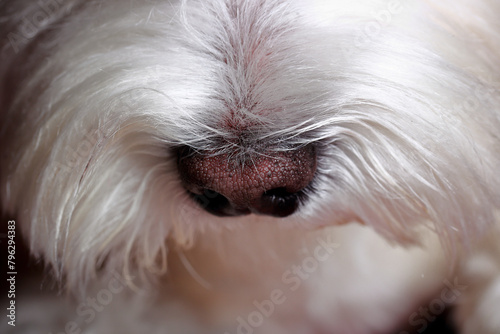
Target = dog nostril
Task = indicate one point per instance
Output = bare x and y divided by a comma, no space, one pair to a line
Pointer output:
279,202
217,204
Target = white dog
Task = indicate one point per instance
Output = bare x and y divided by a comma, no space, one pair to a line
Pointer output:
151,150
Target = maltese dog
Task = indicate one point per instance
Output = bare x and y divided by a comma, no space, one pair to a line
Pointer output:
184,166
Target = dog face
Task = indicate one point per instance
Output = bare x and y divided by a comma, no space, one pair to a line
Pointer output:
128,125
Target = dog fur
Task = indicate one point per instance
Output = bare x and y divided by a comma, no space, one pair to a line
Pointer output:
400,99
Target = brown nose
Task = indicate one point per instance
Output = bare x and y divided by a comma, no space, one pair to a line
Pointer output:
270,184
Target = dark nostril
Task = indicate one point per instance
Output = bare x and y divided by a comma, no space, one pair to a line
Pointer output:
217,204
279,202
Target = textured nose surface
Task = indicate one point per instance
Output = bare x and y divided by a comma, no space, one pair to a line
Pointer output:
266,184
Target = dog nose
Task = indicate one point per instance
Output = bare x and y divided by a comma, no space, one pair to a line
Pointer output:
270,184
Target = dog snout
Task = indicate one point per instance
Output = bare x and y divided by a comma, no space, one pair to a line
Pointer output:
268,183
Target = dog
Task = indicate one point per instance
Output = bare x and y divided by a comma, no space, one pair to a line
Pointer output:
252,166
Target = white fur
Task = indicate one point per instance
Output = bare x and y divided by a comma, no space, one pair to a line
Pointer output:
404,110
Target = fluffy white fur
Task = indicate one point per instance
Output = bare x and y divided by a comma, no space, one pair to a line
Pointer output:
400,97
